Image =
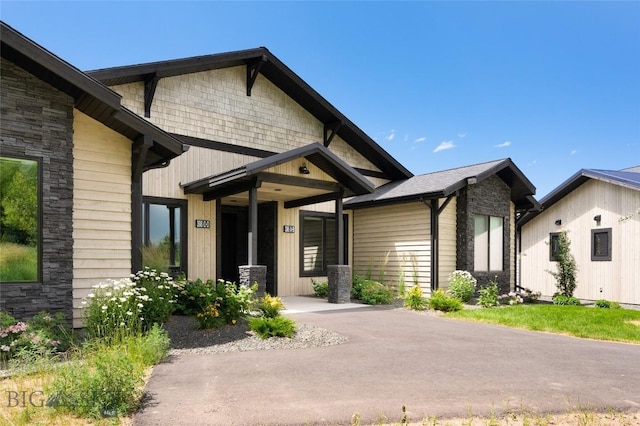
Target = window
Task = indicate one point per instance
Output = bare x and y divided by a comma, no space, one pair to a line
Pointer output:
488,243
318,243
20,230
601,244
164,234
554,246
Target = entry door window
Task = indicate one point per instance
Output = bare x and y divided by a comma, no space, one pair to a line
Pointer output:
164,235
318,242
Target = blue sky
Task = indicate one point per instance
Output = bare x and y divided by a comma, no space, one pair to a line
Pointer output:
553,85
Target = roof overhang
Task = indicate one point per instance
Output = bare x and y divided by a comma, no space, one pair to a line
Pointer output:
347,181
263,61
90,96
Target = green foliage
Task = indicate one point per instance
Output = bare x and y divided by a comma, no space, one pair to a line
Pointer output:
488,295
159,292
567,269
229,300
462,285
441,301
606,304
564,300
18,262
278,326
414,299
320,289
356,286
270,306
580,321
19,201
375,293
210,317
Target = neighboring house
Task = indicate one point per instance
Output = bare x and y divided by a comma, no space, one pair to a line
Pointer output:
87,154
600,211
421,229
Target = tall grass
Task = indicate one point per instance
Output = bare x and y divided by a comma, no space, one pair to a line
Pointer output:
18,262
579,321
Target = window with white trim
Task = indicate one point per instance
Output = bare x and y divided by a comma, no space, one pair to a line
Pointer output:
488,243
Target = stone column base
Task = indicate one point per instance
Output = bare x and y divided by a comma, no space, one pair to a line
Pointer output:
251,274
339,283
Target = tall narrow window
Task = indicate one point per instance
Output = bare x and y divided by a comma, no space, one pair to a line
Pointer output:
20,233
164,235
318,243
488,243
554,246
601,244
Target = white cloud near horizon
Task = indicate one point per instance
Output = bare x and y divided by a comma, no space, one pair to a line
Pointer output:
422,139
444,145
503,144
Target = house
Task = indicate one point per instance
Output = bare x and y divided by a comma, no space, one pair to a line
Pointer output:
85,154
599,211
231,166
419,230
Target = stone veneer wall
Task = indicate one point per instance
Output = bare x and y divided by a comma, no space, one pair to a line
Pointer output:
490,197
37,122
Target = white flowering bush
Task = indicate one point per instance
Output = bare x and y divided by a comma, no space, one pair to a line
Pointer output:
114,309
160,294
462,285
517,297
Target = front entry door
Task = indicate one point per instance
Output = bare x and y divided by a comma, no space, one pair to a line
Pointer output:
233,244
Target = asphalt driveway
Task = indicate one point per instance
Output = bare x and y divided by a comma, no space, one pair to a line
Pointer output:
433,366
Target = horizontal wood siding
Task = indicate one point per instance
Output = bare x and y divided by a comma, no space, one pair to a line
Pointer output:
201,241
394,241
619,278
101,207
447,243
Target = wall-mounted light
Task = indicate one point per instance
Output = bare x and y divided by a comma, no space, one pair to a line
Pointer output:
559,222
597,218
303,169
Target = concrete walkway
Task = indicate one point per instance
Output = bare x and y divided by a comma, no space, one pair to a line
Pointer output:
433,366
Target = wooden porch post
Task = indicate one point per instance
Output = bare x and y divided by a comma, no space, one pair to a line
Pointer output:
253,227
339,236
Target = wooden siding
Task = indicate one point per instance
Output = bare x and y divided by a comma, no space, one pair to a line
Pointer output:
447,243
393,241
101,207
201,244
619,278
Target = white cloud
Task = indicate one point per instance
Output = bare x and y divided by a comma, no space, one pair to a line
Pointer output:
503,144
391,135
574,151
462,135
422,139
444,145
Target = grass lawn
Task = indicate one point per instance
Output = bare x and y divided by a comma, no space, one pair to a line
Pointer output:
18,262
621,325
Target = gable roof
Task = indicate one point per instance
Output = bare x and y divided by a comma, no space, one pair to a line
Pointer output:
444,183
90,96
314,153
278,74
628,178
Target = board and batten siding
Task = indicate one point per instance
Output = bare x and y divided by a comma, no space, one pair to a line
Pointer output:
101,207
619,278
393,242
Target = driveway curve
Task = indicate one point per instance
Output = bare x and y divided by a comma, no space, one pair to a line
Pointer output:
431,365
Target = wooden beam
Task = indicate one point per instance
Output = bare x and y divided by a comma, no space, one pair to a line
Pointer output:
252,251
434,244
330,130
330,196
226,191
300,181
252,73
339,230
140,149
150,85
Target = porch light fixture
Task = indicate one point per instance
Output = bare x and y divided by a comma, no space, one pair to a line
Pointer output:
303,169
559,222
597,218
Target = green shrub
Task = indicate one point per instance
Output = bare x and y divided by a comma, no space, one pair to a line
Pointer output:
601,303
441,301
414,299
462,285
566,267
356,286
564,300
278,326
159,292
210,317
229,300
270,306
375,293
320,289
488,295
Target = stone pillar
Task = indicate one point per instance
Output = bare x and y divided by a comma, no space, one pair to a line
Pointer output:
250,274
339,283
